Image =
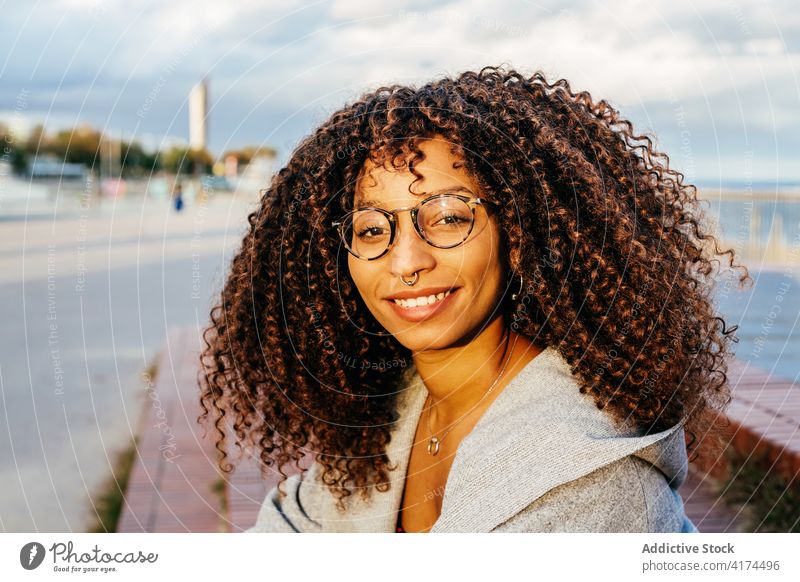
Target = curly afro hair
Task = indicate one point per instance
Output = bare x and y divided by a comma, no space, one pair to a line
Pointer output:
616,260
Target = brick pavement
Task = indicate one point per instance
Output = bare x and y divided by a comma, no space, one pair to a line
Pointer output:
175,494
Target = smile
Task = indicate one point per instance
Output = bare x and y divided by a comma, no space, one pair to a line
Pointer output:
416,309
420,301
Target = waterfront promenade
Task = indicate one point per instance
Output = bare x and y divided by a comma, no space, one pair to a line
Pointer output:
176,487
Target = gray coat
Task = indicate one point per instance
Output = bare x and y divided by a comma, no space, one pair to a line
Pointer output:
542,458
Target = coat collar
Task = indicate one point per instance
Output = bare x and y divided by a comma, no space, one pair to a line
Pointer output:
538,433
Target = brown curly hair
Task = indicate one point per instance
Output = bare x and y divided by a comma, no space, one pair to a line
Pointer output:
614,253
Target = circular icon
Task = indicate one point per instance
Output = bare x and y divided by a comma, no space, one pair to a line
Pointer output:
31,555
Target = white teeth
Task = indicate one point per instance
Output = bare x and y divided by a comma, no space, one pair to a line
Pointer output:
418,301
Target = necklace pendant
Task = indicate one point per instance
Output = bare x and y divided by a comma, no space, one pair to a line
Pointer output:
433,446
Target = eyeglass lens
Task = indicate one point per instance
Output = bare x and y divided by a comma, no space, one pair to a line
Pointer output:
443,222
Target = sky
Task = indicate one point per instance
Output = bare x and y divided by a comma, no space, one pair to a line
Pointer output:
715,83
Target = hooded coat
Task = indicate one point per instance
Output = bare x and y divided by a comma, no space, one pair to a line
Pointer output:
542,458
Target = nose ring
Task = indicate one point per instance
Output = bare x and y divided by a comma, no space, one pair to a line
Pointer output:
416,278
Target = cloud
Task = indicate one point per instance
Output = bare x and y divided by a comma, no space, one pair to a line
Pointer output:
273,62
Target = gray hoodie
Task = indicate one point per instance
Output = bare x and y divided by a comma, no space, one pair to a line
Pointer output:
542,458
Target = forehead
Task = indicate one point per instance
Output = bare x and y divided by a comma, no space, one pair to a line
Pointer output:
387,187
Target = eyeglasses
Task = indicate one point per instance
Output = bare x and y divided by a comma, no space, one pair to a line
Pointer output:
443,221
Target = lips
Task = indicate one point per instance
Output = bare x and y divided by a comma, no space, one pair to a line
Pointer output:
421,304
424,292
421,300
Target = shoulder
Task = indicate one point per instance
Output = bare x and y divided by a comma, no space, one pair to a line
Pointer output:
627,495
296,512
562,464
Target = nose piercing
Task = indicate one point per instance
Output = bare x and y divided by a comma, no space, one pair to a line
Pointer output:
416,278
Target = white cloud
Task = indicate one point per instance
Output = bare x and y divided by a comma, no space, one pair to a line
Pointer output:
309,57
768,47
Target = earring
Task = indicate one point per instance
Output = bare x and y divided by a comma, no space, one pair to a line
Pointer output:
518,294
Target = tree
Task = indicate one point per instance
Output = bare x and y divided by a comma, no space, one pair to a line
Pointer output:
136,161
247,153
80,145
12,151
181,160
36,139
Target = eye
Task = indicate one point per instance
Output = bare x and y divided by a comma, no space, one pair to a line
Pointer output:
368,232
445,219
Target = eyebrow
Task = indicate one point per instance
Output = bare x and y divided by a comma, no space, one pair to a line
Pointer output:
423,195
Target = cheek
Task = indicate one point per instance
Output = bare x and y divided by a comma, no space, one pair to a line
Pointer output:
485,265
489,240
361,275
487,275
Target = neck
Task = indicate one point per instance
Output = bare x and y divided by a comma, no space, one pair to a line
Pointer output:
458,377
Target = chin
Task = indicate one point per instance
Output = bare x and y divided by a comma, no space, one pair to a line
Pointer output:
417,341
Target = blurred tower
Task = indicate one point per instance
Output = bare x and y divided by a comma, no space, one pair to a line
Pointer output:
198,115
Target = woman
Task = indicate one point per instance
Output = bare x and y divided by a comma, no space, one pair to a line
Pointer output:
481,305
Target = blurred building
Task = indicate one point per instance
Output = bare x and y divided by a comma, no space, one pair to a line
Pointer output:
198,116
49,166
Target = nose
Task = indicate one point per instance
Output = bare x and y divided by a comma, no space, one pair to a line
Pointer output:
409,253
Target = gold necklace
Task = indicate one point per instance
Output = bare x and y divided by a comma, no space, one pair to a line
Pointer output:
433,444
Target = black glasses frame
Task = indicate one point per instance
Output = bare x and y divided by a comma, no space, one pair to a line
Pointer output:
391,216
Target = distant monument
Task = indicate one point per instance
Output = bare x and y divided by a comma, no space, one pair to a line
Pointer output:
198,116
